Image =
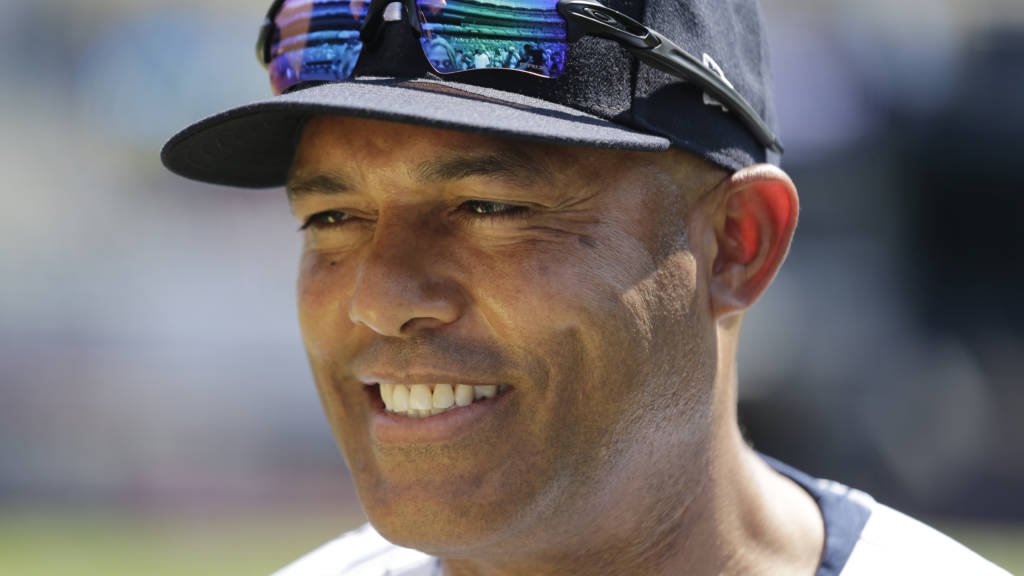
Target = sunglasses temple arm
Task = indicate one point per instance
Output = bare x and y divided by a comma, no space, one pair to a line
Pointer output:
263,41
671,59
590,18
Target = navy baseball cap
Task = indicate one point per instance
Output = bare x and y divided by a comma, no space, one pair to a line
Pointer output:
605,98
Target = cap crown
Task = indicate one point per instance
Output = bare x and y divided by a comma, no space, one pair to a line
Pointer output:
604,79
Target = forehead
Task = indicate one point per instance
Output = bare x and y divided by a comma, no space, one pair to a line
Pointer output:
330,140
373,150
348,153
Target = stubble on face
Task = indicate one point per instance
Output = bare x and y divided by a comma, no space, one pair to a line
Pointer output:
591,308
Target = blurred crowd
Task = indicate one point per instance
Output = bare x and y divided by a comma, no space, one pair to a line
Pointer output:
459,54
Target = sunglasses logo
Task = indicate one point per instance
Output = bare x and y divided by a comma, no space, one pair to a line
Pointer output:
598,15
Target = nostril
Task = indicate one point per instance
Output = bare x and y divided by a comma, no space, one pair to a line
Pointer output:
417,324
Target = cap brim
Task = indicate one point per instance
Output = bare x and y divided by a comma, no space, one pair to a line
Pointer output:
252,146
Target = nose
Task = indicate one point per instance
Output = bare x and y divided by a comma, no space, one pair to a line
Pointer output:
401,286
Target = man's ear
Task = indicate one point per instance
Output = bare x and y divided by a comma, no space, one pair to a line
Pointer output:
753,223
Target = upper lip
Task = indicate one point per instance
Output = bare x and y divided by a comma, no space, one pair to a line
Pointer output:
430,360
428,377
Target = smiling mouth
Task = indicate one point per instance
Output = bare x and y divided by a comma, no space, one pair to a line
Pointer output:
423,401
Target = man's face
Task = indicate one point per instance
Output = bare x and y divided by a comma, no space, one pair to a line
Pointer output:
561,275
438,56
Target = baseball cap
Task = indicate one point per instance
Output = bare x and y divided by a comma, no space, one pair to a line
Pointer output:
605,98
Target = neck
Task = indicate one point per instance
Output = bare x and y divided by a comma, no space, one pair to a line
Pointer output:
750,519
723,512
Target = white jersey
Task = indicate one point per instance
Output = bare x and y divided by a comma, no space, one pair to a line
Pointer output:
862,538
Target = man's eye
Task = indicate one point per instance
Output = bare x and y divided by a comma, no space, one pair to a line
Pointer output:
326,219
493,209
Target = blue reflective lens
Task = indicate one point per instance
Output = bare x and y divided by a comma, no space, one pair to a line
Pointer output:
315,40
318,40
527,35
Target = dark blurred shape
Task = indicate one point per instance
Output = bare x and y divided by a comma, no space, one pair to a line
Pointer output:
927,211
967,162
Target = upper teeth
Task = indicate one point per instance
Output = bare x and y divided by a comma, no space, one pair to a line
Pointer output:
419,401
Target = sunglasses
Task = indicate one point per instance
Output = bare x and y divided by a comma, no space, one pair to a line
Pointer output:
320,41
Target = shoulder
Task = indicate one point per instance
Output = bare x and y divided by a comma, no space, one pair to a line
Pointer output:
894,543
362,552
865,538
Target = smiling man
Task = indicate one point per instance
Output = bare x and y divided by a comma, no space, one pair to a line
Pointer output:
495,328
526,350
521,293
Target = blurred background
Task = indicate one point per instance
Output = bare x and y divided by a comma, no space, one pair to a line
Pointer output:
156,412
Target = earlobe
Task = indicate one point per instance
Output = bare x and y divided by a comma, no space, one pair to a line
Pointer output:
753,227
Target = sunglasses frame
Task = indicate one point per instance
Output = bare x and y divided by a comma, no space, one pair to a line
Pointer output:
589,18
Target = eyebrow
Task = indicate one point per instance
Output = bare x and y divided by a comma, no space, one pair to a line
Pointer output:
515,165
321,183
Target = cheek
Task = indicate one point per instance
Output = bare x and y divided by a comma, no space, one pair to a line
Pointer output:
567,308
535,288
674,396
323,291
667,309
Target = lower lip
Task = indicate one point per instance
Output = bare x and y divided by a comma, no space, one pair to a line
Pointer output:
392,429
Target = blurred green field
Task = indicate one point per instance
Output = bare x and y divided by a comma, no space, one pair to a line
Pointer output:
1000,543
109,543
115,543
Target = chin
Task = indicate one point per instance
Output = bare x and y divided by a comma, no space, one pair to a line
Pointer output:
448,535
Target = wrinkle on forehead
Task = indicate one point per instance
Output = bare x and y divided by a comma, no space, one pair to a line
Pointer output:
334,151
341,147
513,162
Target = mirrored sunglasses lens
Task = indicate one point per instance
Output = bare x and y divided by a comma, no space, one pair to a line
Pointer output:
527,35
315,40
